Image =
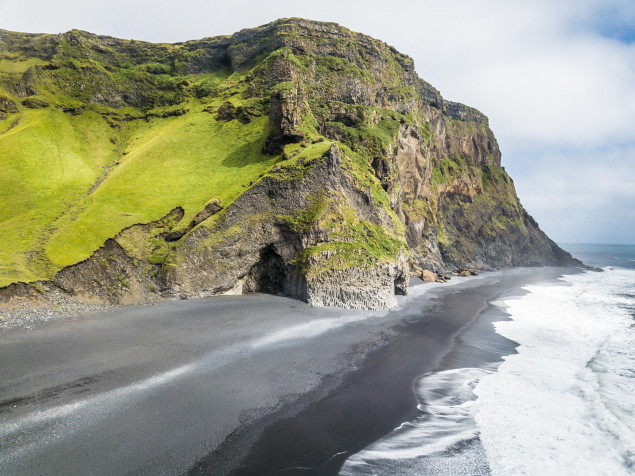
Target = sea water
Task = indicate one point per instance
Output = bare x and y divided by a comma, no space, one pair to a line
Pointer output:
564,404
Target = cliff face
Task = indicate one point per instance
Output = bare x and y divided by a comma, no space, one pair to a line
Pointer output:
347,169
305,230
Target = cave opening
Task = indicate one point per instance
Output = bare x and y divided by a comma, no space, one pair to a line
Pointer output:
401,284
267,275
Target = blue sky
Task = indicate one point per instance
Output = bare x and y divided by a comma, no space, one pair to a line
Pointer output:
556,78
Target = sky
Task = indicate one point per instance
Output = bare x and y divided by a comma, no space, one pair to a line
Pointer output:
556,79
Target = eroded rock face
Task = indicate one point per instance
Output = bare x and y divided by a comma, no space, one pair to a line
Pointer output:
285,115
7,105
110,275
252,245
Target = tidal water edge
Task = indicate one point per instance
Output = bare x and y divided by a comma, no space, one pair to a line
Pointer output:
561,402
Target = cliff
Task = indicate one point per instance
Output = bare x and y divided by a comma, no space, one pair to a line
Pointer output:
297,158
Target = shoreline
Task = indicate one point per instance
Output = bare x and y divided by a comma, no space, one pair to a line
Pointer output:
26,310
316,434
192,386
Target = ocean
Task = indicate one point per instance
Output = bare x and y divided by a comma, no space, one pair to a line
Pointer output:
561,403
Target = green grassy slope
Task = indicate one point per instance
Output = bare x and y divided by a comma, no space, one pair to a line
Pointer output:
49,162
180,162
52,217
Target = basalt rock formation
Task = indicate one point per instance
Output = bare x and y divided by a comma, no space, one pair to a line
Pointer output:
297,158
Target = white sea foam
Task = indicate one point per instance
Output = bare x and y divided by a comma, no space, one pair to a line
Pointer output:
447,420
565,404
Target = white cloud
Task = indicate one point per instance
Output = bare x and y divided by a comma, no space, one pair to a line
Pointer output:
581,195
528,66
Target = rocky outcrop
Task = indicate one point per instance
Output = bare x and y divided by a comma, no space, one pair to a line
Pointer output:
110,275
7,105
286,109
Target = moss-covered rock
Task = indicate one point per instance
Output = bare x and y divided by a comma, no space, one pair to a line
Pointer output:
34,103
7,105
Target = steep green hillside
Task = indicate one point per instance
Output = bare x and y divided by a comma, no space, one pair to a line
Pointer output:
67,187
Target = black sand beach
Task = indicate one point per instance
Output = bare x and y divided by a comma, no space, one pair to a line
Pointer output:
233,385
455,331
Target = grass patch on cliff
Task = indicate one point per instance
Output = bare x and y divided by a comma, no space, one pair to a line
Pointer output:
363,245
369,140
418,209
303,157
493,177
16,64
330,65
449,169
302,220
361,170
355,242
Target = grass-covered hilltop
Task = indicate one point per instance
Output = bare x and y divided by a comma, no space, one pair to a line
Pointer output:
297,158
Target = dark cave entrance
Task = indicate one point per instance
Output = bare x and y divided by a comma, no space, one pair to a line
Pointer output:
267,275
401,284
